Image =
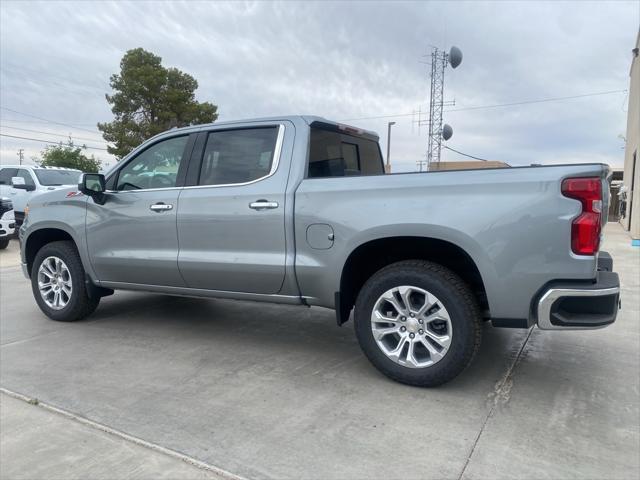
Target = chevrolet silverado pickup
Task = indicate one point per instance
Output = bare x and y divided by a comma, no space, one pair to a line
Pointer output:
299,210
22,182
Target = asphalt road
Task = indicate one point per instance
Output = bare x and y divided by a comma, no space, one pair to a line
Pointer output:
266,391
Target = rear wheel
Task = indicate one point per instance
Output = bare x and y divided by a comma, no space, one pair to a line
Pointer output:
58,283
418,323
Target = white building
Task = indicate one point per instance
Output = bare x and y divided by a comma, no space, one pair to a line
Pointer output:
631,178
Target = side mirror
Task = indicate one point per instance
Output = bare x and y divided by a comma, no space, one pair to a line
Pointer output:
19,183
93,185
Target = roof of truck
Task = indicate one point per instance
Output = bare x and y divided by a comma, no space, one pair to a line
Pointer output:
308,119
38,167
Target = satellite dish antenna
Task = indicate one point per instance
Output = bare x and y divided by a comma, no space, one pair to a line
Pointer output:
455,57
447,131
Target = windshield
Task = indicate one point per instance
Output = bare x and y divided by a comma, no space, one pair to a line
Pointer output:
57,177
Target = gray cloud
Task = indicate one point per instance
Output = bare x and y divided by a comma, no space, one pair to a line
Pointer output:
339,60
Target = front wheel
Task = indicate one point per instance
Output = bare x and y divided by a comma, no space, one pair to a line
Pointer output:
58,283
418,323
4,242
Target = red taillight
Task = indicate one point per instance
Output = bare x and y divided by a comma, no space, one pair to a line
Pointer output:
585,229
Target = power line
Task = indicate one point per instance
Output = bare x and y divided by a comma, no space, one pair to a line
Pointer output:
466,154
53,134
41,121
47,141
47,120
67,81
543,100
497,105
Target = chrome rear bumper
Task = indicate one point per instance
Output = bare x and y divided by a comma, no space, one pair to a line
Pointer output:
581,306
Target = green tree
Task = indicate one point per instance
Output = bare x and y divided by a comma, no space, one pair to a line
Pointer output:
68,155
148,99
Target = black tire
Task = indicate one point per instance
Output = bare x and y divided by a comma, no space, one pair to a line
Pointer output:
456,297
79,305
4,242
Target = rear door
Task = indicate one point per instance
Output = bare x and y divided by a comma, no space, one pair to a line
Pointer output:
132,237
231,214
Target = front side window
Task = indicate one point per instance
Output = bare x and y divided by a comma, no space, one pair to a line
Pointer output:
28,179
57,177
238,156
155,167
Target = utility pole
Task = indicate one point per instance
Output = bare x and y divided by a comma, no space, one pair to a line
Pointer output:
388,168
439,62
21,155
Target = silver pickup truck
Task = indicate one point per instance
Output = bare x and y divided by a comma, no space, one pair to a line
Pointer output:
298,210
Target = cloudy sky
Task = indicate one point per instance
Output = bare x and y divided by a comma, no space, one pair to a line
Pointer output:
344,61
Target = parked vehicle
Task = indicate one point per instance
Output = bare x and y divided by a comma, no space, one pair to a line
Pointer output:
298,210
7,222
22,182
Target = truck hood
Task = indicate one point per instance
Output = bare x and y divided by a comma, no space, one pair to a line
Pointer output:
58,187
55,195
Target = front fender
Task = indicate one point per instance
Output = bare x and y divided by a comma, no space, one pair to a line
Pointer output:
66,215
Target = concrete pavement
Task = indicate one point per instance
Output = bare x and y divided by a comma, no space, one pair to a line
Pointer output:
37,443
269,391
10,256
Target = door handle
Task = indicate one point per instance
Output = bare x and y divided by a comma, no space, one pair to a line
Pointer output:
263,205
161,207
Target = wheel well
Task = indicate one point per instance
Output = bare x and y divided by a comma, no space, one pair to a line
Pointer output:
370,257
39,239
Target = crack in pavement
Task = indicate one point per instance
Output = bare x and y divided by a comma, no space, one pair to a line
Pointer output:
224,474
28,339
502,392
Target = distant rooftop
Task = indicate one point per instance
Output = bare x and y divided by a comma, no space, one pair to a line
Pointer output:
464,165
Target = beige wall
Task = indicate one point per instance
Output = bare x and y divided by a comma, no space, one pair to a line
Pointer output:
633,140
464,165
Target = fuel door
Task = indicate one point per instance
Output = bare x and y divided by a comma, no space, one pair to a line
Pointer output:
320,236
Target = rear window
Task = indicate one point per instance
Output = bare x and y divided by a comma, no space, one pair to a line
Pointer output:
335,154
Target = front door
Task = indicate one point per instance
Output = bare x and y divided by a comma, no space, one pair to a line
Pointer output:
231,221
132,237
19,196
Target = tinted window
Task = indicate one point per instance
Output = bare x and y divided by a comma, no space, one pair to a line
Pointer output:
334,154
57,177
238,156
156,167
6,174
28,179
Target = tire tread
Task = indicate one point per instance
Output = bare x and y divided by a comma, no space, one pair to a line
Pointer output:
83,305
470,306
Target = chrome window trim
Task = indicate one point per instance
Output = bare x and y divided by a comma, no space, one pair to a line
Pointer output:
277,152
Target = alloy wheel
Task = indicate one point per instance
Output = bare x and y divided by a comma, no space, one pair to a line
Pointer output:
54,283
411,326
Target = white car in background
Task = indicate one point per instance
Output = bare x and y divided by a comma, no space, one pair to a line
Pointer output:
21,182
7,222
